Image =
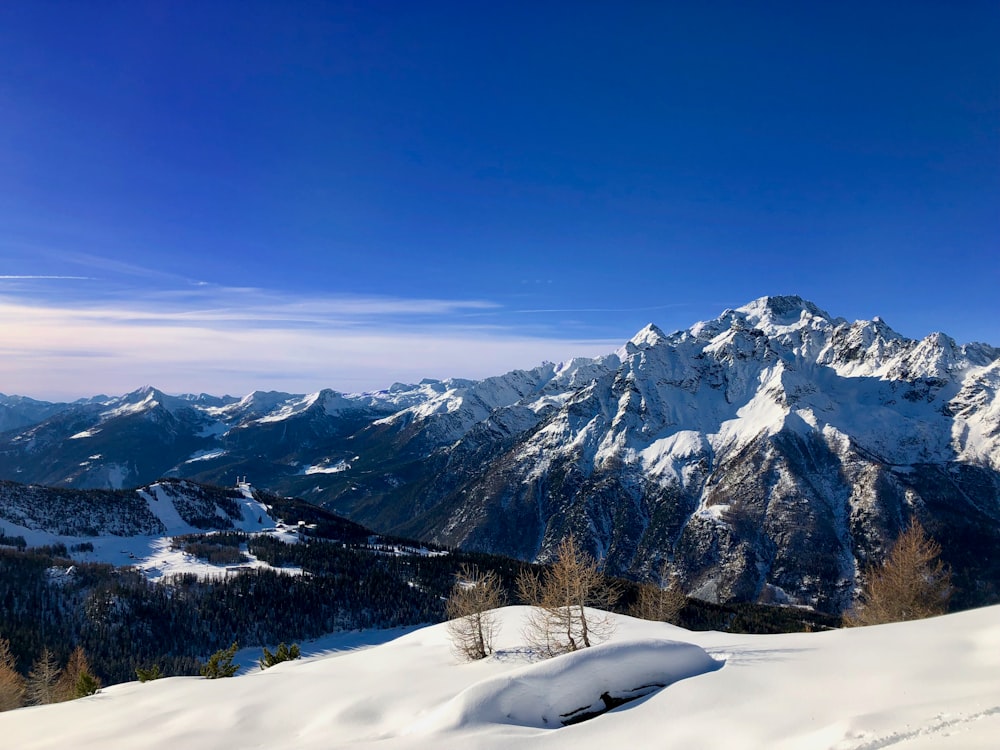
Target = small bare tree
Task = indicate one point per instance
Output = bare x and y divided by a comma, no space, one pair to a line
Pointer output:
559,621
42,680
658,602
911,584
471,610
12,684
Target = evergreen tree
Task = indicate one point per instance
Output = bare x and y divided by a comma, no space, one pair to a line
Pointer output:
220,664
283,653
146,675
87,684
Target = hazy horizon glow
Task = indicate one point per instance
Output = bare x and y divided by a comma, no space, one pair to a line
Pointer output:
261,343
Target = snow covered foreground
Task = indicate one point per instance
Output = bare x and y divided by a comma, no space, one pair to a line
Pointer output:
928,684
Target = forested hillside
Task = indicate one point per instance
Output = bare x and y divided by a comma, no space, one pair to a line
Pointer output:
125,621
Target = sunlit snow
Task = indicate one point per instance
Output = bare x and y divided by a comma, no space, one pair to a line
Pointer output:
912,686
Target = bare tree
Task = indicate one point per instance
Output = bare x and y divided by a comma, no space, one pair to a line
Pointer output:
76,680
471,610
658,602
42,680
12,686
912,583
559,621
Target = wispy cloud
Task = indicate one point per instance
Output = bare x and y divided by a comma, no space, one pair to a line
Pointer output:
220,339
571,310
43,277
212,305
113,267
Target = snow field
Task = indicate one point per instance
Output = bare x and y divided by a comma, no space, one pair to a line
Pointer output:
928,684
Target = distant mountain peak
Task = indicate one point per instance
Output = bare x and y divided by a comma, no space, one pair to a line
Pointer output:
649,336
782,310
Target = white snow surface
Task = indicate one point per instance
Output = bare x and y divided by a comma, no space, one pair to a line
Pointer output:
206,455
326,468
912,686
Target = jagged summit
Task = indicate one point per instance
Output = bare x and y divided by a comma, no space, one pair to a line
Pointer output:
785,309
648,337
772,314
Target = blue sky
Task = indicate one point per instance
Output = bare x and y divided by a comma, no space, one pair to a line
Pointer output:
228,196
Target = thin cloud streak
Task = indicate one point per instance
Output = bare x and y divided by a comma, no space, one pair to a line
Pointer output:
224,307
603,309
42,277
50,349
116,267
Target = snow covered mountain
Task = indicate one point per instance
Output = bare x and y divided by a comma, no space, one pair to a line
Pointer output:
20,411
768,454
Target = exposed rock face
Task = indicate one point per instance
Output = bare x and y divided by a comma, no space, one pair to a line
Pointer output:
768,454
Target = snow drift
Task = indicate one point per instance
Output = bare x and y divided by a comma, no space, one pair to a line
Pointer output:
572,687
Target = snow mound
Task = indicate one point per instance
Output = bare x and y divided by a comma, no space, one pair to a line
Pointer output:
572,687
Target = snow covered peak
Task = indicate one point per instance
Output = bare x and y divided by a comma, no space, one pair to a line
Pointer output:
264,401
648,336
939,356
138,401
581,371
140,395
773,316
772,313
148,397
327,401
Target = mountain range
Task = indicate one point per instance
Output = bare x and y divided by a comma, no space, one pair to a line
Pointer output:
770,454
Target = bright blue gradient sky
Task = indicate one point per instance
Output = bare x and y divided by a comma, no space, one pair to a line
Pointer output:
292,195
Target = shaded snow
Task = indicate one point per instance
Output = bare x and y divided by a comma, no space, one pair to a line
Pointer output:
553,693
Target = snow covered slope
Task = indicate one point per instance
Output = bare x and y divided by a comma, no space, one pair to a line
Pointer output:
130,527
928,684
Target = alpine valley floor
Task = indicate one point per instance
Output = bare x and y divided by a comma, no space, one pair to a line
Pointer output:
928,684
